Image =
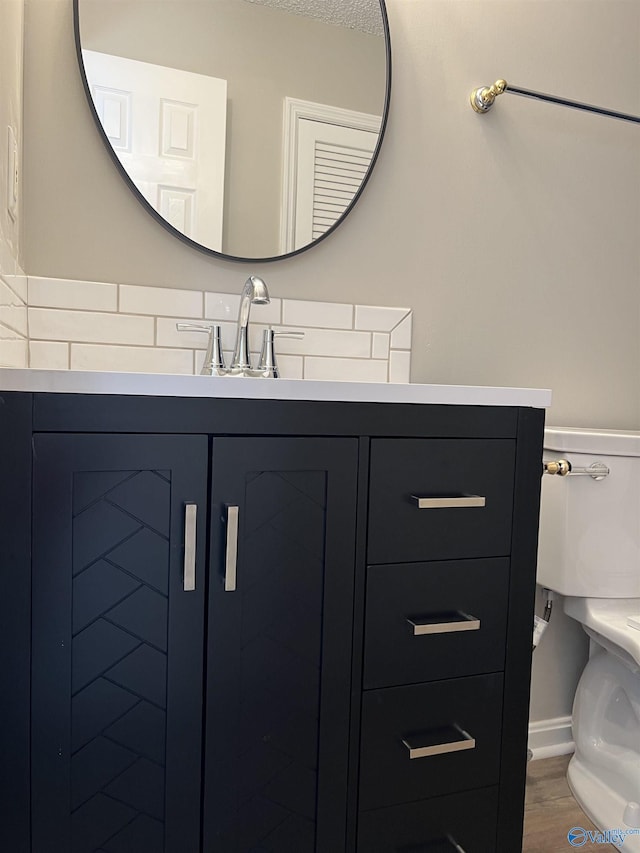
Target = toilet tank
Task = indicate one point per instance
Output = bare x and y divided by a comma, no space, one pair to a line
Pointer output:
589,541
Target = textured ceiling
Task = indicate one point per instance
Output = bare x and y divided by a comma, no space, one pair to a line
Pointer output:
355,14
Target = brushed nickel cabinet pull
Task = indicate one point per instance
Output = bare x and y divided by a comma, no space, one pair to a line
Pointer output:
449,501
444,623
189,575
438,846
231,555
439,742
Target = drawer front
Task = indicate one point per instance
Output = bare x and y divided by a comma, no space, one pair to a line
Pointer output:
466,492
427,740
428,621
433,826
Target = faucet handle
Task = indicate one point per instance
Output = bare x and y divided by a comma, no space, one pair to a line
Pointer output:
286,334
213,360
268,366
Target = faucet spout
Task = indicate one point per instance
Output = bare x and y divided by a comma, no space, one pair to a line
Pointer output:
254,292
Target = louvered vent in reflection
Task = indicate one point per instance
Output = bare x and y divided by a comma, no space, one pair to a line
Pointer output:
338,173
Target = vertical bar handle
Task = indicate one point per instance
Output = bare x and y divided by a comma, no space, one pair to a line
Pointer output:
231,554
190,518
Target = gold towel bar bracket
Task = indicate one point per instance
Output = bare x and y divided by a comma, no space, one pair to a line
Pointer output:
483,98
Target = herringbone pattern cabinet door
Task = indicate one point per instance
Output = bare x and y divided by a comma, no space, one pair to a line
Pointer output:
105,579
119,658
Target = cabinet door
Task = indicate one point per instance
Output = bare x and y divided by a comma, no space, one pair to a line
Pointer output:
279,645
117,643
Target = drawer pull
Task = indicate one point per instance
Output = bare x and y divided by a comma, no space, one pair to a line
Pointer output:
189,573
231,552
439,742
444,623
442,845
449,501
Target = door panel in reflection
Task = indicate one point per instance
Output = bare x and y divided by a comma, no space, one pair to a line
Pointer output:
168,128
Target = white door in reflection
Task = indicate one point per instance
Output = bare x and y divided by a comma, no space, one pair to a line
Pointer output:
168,129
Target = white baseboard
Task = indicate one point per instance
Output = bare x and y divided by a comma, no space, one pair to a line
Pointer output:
548,738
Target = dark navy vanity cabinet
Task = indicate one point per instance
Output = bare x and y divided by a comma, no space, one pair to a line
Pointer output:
260,626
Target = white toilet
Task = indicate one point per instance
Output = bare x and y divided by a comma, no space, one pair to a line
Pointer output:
589,552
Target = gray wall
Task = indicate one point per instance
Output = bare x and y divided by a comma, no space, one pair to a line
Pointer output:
513,236
11,31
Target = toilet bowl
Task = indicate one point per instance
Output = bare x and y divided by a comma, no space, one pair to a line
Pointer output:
589,552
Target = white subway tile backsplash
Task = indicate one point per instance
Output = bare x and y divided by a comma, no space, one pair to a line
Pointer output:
290,366
13,311
380,345
324,315
18,283
401,335
49,355
399,366
98,326
333,342
346,369
221,306
378,319
13,316
130,359
267,315
79,295
160,301
53,324
198,360
13,351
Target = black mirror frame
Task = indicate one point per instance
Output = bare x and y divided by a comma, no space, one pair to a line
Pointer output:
183,237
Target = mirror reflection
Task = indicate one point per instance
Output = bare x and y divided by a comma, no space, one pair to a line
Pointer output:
247,126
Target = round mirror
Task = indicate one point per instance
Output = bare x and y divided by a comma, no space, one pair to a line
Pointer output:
247,127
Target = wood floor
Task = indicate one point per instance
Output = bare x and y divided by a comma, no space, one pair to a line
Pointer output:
550,810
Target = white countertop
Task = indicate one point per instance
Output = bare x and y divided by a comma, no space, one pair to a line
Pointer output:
174,385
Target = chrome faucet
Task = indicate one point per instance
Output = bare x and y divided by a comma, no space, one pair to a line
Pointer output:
254,292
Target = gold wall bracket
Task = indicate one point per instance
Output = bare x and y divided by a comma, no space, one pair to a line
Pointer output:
483,98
